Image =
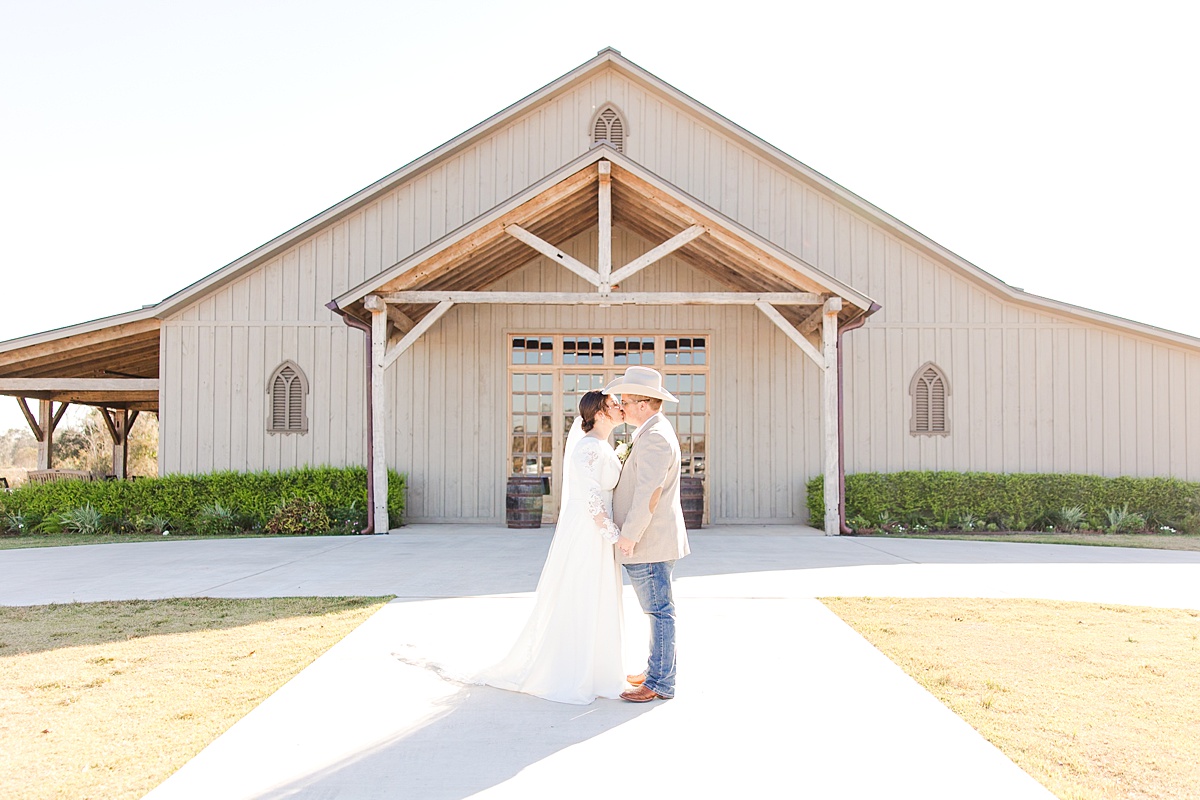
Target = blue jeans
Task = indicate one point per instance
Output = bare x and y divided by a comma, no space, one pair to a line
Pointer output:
652,584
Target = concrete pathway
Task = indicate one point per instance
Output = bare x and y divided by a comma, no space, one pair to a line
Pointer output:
776,697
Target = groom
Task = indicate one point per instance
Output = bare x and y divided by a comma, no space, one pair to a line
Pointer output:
646,508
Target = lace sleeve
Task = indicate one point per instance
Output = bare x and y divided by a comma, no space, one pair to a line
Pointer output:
590,465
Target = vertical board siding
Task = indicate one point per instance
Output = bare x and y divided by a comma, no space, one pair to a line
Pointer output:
448,396
1030,390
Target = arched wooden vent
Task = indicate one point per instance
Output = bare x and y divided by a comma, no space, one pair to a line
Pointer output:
609,127
288,388
929,390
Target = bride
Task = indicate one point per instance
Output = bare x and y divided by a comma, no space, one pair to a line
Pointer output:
570,649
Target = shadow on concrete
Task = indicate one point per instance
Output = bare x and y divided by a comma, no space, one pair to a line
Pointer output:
485,737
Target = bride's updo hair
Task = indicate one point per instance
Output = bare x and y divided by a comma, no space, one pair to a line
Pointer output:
590,405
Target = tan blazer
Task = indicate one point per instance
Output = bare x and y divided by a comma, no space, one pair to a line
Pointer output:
646,498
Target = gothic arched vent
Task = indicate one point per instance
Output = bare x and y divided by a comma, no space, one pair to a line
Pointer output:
609,127
929,390
288,389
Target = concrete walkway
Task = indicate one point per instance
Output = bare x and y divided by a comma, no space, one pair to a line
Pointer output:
776,696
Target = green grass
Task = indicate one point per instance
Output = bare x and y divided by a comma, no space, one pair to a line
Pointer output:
1148,541
9,541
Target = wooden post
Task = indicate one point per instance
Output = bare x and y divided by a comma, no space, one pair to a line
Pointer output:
829,327
379,474
47,421
119,422
604,227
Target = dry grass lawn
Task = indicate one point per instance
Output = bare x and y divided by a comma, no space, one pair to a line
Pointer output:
105,700
1094,701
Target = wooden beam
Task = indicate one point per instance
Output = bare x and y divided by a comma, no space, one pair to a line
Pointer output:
791,332
403,322
411,337
604,227
829,328
554,254
619,298
662,251
79,384
112,428
62,409
118,429
379,474
431,262
37,430
811,322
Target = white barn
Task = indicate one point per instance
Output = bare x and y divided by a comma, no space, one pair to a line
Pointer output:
609,219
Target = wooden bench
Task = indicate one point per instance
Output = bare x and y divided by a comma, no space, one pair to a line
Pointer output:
52,475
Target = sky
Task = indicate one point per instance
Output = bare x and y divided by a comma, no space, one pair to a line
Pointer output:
144,145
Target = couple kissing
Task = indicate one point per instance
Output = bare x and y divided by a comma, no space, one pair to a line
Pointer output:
611,516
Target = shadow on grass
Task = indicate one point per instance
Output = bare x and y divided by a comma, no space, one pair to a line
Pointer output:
35,629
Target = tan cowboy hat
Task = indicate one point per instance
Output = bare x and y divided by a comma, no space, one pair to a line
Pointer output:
641,381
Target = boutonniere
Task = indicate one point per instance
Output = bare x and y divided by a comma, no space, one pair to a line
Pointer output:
623,449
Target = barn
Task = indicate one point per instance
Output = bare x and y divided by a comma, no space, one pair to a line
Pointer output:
444,321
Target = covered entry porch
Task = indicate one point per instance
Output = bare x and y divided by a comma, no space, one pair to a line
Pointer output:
601,197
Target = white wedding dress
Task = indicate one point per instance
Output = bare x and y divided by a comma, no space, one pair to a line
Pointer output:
570,649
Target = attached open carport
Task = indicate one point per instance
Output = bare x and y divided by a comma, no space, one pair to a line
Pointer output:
111,364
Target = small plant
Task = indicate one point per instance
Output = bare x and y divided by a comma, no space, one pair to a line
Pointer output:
116,523
1122,520
299,516
353,519
215,520
18,523
1071,518
86,520
966,522
153,523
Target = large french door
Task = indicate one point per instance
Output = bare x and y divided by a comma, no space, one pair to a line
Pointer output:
548,373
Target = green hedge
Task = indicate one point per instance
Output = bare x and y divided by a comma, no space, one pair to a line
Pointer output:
939,500
253,497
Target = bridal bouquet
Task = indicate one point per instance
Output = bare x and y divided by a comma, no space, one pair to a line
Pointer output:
623,449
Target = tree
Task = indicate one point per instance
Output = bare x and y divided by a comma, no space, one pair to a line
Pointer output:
83,442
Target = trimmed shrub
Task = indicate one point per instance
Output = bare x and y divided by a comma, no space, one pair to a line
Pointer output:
185,503
1017,501
299,516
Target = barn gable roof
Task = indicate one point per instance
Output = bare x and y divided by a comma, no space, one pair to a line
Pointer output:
607,58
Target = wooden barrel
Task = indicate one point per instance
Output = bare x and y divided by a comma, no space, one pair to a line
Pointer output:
691,497
523,503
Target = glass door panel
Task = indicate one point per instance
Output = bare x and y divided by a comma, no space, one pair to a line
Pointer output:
550,372
688,417
533,424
